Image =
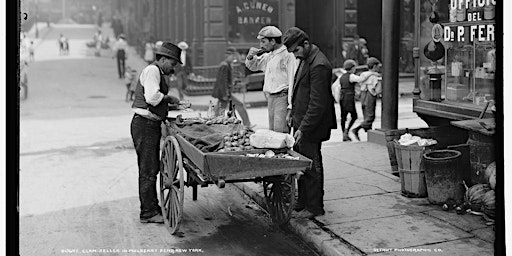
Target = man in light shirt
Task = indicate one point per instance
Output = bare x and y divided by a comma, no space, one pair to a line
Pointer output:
120,49
279,66
151,107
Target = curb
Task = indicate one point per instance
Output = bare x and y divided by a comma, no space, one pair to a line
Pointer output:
308,230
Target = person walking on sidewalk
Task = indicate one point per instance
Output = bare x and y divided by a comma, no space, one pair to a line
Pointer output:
347,95
183,70
120,47
31,49
279,66
312,117
98,39
223,86
149,47
370,89
151,108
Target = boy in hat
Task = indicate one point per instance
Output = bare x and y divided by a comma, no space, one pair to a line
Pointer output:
348,82
151,108
223,86
369,93
279,66
312,117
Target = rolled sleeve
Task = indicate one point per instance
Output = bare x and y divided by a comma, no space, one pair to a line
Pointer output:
150,80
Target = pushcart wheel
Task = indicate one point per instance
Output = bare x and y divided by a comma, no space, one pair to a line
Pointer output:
172,184
280,197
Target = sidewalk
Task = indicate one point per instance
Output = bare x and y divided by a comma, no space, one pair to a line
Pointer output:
367,215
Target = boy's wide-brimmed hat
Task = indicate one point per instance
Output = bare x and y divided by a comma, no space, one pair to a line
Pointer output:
122,36
170,50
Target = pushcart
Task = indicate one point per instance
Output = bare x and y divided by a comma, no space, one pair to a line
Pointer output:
182,164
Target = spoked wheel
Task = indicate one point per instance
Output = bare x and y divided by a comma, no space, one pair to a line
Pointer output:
280,197
172,184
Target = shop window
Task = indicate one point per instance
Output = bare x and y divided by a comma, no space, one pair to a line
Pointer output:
470,60
246,18
470,52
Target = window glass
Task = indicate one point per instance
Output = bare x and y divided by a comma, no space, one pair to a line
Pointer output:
246,18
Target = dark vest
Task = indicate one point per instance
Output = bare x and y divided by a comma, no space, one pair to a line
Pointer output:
161,109
346,85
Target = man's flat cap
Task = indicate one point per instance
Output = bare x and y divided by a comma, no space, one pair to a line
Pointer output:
269,31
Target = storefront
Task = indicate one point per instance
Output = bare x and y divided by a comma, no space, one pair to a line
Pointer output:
209,26
465,39
457,77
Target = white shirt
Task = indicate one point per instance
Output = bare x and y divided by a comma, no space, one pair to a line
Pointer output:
370,83
279,67
183,57
150,80
120,45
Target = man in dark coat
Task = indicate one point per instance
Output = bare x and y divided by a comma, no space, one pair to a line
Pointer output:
355,51
312,117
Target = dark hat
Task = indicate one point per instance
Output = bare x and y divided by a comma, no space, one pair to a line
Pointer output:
231,50
293,37
170,50
372,61
349,64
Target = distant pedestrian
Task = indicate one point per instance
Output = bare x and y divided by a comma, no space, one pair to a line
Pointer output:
130,75
23,86
31,51
222,90
66,46
117,26
183,70
369,92
348,82
133,84
151,105
312,117
61,42
149,54
98,39
279,66
355,52
120,47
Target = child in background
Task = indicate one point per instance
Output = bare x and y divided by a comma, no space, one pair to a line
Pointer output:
133,84
128,81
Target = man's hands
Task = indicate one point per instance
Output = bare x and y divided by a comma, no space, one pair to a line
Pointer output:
289,117
297,136
252,52
170,99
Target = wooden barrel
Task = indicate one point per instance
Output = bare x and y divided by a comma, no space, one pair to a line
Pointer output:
481,154
412,175
443,176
